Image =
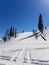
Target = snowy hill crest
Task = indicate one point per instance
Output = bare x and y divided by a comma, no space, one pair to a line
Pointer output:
26,49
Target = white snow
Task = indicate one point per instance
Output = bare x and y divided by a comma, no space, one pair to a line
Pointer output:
25,50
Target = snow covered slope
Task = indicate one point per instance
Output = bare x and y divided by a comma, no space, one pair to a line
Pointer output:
25,50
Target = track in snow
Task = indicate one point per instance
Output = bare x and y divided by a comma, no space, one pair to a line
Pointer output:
24,55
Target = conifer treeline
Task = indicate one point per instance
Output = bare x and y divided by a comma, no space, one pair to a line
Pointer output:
10,33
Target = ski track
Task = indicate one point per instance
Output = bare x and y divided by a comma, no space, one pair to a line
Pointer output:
27,58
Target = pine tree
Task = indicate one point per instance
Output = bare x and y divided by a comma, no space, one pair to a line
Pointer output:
35,34
22,31
11,32
40,24
4,39
7,34
15,33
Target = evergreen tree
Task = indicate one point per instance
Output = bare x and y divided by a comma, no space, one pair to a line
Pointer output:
35,34
11,32
4,39
15,32
22,31
7,34
40,24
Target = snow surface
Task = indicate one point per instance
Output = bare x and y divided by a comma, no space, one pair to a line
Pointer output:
25,50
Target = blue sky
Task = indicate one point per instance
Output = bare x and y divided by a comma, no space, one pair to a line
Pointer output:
23,14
